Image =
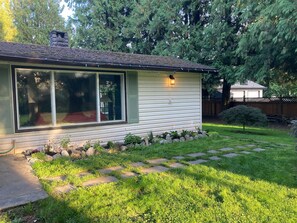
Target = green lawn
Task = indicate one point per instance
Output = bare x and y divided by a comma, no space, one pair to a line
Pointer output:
259,187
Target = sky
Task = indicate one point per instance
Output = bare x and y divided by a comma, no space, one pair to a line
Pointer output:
67,11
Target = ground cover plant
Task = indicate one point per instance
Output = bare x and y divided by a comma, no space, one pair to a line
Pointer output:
259,187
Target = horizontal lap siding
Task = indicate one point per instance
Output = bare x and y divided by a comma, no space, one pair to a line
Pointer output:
161,108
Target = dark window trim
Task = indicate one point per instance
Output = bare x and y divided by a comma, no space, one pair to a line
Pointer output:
84,125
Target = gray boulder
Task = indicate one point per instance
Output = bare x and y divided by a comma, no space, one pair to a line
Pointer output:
56,156
65,153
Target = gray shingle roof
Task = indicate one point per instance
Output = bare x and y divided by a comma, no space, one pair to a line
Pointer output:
91,58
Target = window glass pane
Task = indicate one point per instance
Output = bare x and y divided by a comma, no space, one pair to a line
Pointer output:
110,97
34,99
75,97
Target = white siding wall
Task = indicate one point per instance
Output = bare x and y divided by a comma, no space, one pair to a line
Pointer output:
161,108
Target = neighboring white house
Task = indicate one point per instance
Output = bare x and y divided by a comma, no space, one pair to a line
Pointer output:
55,92
248,89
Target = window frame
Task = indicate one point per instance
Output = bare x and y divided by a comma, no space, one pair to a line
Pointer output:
54,124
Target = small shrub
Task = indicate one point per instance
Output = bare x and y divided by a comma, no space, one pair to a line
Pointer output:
65,142
214,134
132,139
151,137
244,115
87,145
184,133
98,147
40,156
174,135
110,145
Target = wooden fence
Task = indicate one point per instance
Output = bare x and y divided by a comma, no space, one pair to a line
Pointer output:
273,107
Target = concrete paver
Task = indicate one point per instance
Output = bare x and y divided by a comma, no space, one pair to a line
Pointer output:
258,149
197,161
137,164
226,149
110,169
245,152
99,180
18,185
214,158
128,174
157,161
178,157
155,169
176,165
196,154
230,155
212,151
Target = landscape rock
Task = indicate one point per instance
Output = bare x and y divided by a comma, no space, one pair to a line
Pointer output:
182,139
65,153
123,148
176,140
90,151
146,141
83,154
187,137
48,158
56,156
75,154
57,149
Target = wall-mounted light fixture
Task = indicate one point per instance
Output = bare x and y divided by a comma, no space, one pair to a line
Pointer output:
171,79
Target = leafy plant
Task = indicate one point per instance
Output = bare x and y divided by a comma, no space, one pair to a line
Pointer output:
151,137
244,115
65,142
97,146
174,135
132,139
184,133
164,134
87,145
110,145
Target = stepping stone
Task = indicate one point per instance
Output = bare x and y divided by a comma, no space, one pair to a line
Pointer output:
258,149
178,157
83,174
56,178
155,169
214,158
110,169
196,154
137,164
128,174
176,165
157,161
245,152
64,189
212,151
226,149
100,180
240,147
250,145
230,155
197,161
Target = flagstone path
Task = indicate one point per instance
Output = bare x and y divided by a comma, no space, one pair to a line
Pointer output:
157,165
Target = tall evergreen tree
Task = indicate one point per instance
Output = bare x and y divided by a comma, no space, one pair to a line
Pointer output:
34,19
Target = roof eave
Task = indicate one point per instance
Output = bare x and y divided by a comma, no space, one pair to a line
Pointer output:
106,65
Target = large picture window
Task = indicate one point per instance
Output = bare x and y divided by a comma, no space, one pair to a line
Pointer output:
49,98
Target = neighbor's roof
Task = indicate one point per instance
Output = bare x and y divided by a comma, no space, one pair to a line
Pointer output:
247,85
91,58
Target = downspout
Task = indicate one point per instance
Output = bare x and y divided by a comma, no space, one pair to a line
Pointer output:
9,150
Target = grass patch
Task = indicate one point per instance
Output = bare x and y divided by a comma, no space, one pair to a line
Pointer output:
258,187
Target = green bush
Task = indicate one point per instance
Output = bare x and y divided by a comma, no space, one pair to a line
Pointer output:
110,145
244,115
98,147
132,139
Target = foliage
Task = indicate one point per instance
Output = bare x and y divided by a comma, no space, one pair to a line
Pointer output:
151,137
87,145
110,145
7,28
35,19
132,139
244,115
39,155
97,146
64,142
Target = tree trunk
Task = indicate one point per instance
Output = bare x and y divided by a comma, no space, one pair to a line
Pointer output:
226,95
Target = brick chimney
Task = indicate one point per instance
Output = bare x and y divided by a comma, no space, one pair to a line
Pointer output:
58,39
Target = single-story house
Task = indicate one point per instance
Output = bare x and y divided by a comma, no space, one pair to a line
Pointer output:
247,89
52,92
